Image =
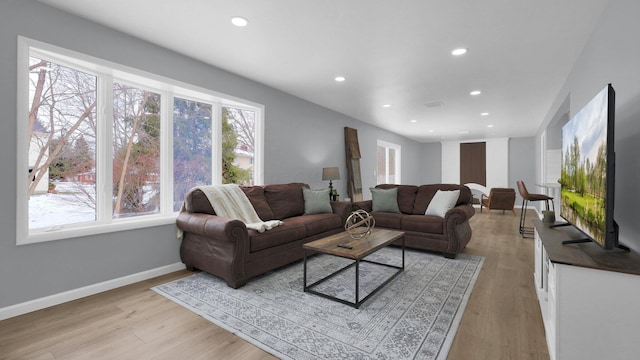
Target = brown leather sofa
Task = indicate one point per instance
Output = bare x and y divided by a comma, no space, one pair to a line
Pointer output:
448,235
226,248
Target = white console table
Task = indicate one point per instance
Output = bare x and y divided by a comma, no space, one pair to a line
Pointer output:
589,297
553,190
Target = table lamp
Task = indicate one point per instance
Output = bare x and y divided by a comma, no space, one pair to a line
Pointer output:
330,173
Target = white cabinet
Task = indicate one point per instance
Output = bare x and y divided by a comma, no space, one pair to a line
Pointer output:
589,297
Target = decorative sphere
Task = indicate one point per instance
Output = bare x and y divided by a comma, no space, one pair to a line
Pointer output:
359,224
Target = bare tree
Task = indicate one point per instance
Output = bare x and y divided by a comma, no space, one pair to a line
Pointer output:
62,103
136,149
243,122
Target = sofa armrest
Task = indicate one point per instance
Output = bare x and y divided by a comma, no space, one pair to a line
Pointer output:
366,205
215,244
342,208
456,227
459,214
212,226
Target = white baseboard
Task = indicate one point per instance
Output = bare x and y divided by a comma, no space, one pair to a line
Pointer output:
56,299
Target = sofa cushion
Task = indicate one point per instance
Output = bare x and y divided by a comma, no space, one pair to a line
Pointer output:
388,220
318,223
285,200
316,201
426,192
423,224
406,196
442,202
385,200
283,234
259,202
423,198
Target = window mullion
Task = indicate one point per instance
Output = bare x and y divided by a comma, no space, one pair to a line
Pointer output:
258,162
104,149
166,153
216,151
22,146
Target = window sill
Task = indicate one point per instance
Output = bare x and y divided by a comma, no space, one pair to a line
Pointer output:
95,229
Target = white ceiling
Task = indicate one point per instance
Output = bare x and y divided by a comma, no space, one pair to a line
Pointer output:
391,52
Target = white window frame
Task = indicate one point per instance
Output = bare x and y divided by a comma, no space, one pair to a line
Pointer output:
387,145
108,72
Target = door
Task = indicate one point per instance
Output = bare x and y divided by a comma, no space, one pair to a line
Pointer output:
473,163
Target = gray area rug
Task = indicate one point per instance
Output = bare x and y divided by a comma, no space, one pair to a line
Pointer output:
415,316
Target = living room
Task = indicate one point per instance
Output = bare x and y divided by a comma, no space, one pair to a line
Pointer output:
34,276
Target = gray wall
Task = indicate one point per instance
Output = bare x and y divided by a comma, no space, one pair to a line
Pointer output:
300,139
554,129
521,165
411,170
431,163
610,56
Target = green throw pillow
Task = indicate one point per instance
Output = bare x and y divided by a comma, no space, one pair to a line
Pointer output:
385,200
316,201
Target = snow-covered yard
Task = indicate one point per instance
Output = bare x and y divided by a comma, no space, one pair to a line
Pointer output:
70,205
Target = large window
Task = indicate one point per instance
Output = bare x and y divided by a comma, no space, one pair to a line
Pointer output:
111,148
61,132
192,147
136,151
388,165
238,145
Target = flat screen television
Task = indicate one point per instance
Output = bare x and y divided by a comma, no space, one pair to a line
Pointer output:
587,178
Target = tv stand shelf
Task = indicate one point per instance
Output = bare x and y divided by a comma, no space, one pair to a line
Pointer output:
589,297
588,254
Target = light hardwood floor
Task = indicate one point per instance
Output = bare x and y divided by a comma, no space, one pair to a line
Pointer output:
502,319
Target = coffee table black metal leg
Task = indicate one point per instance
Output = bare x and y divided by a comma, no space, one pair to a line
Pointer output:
304,277
357,305
403,253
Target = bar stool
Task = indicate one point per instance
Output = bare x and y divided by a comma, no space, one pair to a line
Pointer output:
526,197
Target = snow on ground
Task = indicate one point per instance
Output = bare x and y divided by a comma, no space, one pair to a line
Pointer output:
69,206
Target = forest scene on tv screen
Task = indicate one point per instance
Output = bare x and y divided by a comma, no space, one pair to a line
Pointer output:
584,168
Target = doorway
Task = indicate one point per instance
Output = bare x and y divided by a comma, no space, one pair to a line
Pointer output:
473,163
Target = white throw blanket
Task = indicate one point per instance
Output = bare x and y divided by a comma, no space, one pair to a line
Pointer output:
230,201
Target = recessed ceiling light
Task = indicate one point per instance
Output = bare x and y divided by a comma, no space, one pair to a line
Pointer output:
413,121
386,105
431,130
340,78
489,126
239,21
484,114
475,92
458,52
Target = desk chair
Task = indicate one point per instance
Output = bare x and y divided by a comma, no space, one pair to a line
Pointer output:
526,197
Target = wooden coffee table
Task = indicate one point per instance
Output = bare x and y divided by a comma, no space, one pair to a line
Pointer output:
378,239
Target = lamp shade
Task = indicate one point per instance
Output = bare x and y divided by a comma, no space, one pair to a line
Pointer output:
330,173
